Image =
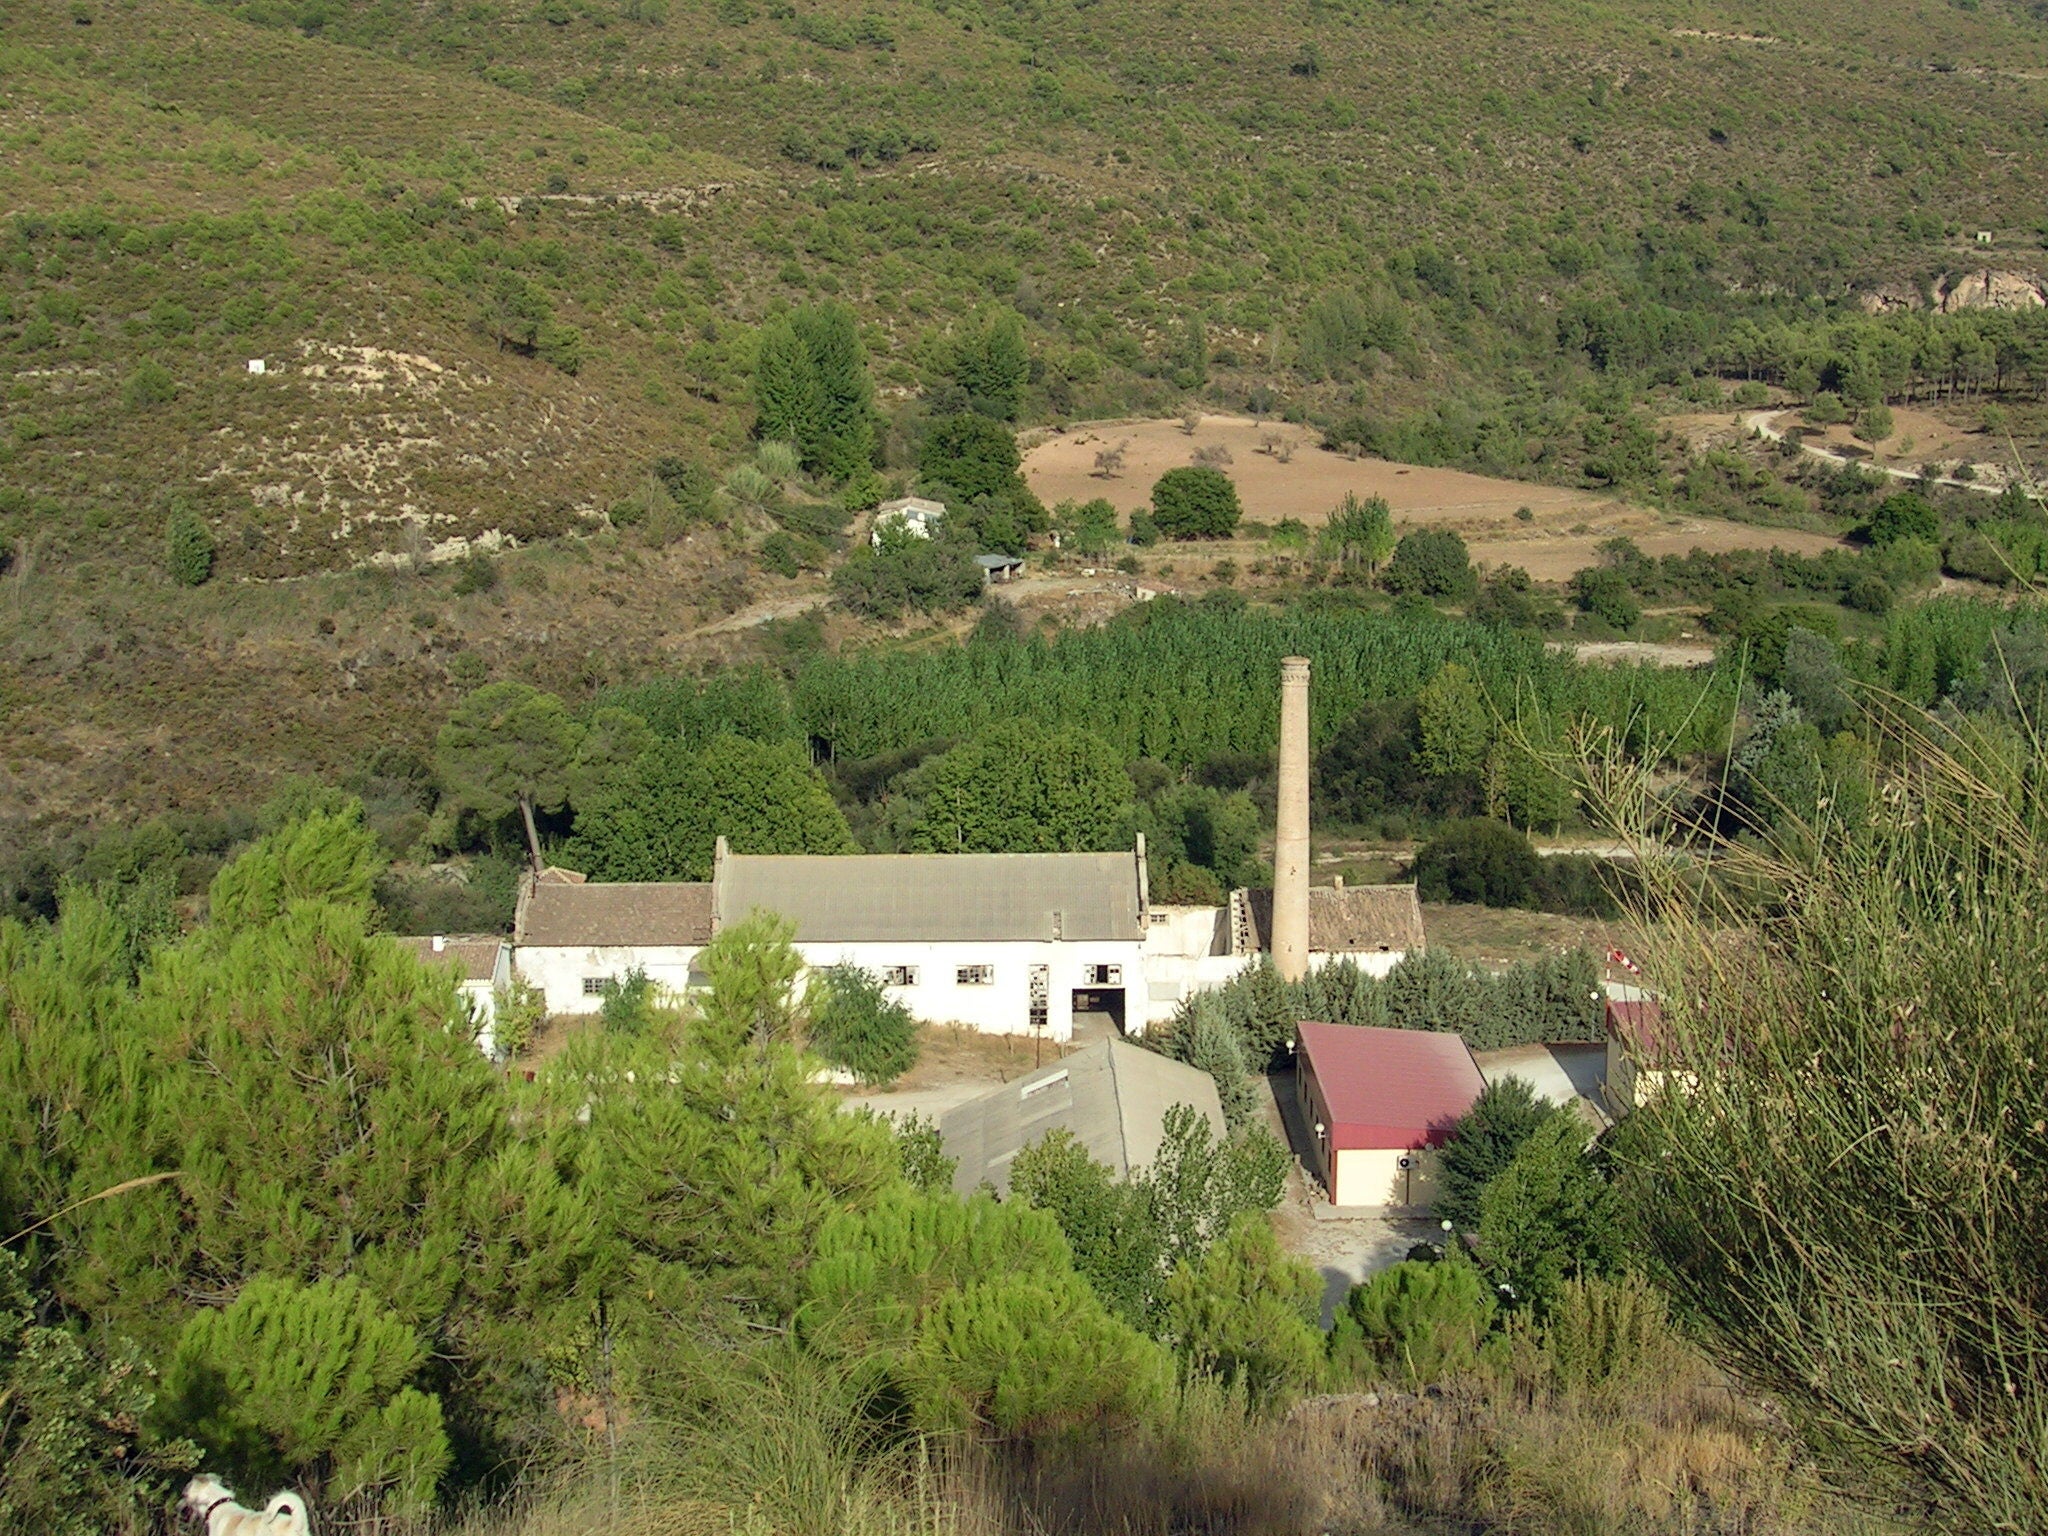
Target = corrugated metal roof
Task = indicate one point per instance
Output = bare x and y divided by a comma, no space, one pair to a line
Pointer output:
475,955
614,915
1390,1088
937,897
1111,1097
1349,920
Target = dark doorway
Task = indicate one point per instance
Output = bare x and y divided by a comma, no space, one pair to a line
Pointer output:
1108,1002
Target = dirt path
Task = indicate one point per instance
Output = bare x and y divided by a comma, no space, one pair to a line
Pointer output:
787,606
1663,653
1990,479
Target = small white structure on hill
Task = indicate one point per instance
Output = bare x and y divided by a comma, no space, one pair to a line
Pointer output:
573,937
482,964
1112,1098
912,515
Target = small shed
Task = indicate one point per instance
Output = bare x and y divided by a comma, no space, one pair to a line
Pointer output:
1378,1104
999,567
1112,1098
1635,1047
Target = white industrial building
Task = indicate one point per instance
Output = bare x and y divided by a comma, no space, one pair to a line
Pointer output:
1006,943
1003,942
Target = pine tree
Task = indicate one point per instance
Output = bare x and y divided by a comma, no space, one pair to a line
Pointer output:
787,393
991,363
188,547
311,1385
1247,1313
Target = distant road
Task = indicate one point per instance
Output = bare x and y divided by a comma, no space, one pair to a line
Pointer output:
1766,424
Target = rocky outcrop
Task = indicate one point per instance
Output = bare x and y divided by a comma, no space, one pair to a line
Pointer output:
1890,299
1987,289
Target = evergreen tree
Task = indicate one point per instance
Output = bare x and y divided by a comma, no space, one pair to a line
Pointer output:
326,856
991,363
188,547
811,388
1247,1313
509,746
1548,1217
1483,1143
1418,1323
310,1385
857,1025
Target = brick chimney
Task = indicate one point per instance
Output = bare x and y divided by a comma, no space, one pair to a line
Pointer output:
1290,842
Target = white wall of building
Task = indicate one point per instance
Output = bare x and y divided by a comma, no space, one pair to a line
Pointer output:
1002,1005
562,971
1384,1178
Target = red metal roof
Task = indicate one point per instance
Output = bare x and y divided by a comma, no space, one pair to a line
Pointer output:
1390,1088
1638,1023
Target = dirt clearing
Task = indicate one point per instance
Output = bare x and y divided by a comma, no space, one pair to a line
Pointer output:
1280,472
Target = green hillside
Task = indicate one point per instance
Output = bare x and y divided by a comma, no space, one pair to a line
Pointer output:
500,259
1165,192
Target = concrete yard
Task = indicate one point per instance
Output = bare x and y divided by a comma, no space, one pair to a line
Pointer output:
1560,1074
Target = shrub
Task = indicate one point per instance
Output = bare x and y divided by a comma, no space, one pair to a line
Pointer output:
188,547
1479,860
519,1009
857,1025
1416,1322
310,1384
150,384
1431,562
1604,593
1905,515
477,573
1195,502
629,1003
1548,1217
1874,424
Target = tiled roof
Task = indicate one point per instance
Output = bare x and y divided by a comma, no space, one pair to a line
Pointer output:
606,916
476,955
1348,920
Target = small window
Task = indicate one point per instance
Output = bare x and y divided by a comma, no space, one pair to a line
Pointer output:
975,976
899,976
593,986
1105,975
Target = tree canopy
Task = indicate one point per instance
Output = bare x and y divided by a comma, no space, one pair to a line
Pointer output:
661,819
1018,788
1195,501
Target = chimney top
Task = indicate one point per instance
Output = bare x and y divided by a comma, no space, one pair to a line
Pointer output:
1293,666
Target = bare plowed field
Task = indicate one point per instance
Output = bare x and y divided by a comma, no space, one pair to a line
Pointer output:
1301,480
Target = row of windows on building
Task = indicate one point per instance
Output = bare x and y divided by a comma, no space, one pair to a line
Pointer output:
907,976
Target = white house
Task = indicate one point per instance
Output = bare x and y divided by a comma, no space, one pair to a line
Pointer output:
1004,943
572,937
912,515
482,964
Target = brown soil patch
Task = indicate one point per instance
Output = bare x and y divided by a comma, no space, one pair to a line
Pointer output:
1061,467
1561,536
